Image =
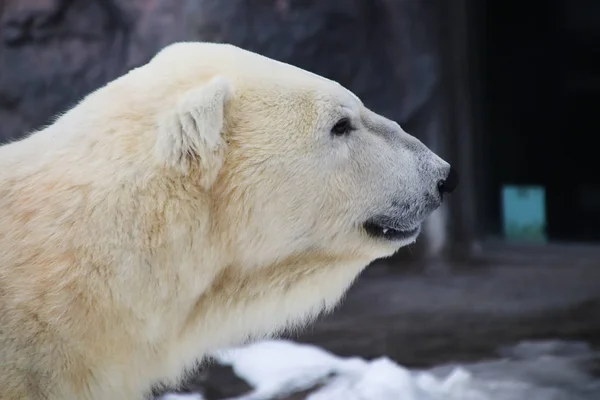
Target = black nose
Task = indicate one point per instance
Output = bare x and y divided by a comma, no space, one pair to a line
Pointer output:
447,186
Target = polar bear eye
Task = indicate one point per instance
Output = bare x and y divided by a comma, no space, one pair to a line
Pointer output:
342,127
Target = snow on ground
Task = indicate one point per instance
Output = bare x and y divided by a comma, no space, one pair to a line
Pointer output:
182,397
550,370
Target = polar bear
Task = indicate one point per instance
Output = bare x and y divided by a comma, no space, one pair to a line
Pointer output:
208,197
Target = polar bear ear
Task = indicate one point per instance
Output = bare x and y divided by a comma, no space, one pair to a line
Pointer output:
190,136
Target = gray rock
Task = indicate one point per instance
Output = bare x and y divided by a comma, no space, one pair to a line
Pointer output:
54,52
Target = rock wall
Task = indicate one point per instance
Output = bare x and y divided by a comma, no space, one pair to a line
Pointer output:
53,52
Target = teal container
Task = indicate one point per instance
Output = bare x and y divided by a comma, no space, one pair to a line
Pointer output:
524,213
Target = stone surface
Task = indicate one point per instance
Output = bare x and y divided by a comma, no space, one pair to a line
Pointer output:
53,52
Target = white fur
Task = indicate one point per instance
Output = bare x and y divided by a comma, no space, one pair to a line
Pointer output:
196,202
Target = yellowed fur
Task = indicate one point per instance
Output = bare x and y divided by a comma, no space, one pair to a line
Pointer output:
189,205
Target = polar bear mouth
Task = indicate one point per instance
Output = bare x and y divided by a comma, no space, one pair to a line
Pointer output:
387,231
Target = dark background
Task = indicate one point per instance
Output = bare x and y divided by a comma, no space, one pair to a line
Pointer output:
541,72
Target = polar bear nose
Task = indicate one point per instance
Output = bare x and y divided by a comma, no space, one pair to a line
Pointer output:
448,185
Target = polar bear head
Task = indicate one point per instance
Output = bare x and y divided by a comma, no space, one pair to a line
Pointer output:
293,161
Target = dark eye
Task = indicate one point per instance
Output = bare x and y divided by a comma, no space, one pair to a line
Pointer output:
342,127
